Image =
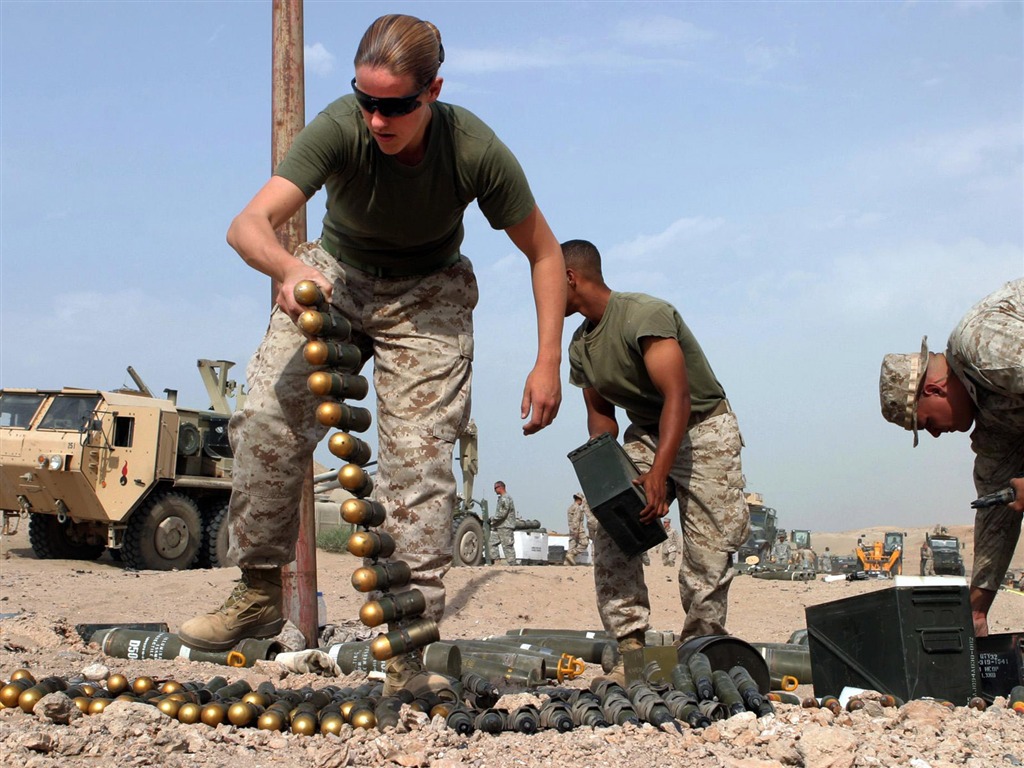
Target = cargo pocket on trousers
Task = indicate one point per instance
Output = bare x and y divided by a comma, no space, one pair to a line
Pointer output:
736,517
453,410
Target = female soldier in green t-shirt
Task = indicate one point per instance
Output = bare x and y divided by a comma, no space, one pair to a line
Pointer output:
399,168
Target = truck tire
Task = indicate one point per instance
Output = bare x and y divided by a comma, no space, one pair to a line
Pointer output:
468,544
163,534
53,540
213,551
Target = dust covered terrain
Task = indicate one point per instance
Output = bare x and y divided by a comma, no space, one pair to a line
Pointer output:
42,601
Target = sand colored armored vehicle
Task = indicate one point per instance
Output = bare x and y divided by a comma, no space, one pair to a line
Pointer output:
120,470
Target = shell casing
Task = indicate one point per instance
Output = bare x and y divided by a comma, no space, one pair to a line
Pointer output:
258,698
360,714
341,416
371,544
382,576
170,707
128,696
23,674
332,723
189,713
343,386
213,714
142,684
308,294
236,689
28,698
401,605
329,325
355,480
11,692
305,724
363,512
244,713
170,686
117,684
98,705
404,639
341,356
274,718
82,703
352,449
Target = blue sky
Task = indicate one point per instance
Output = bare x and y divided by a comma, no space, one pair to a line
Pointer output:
811,184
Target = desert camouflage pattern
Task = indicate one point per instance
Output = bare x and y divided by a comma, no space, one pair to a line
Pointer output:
708,483
419,333
669,548
503,526
986,351
579,538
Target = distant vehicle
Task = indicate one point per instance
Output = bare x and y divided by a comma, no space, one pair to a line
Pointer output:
470,528
882,558
763,530
946,557
120,470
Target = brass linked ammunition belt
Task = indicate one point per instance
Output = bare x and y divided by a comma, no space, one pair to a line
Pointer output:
328,346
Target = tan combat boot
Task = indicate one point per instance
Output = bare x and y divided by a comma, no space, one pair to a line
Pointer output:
628,643
252,610
570,559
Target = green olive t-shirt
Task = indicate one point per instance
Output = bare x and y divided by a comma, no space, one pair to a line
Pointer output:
393,215
609,358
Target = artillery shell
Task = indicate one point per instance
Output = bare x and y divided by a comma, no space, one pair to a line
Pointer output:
355,480
352,449
342,386
337,355
371,544
342,416
363,512
388,608
330,325
404,639
308,294
382,576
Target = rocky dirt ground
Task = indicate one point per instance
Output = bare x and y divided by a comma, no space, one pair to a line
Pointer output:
42,601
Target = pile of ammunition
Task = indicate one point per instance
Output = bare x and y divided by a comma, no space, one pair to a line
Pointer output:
329,347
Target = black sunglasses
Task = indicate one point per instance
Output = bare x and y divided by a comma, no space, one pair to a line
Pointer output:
388,107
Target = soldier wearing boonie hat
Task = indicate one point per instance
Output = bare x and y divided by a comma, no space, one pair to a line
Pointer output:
979,382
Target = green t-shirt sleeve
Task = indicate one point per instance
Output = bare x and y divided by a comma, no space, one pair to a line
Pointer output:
502,190
577,376
315,155
656,319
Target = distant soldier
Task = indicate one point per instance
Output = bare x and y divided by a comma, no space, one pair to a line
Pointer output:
780,552
927,559
579,539
670,546
806,559
825,561
503,523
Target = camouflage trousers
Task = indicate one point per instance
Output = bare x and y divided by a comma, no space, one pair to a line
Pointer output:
708,485
579,539
419,333
506,537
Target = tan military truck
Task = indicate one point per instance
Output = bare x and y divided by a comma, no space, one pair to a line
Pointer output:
121,470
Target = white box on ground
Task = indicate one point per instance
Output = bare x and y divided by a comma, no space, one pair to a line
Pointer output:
531,545
562,540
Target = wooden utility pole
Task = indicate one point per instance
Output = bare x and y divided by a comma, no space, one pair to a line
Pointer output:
288,107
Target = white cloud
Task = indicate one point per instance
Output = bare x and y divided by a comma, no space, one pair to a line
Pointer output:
660,30
318,59
765,57
653,247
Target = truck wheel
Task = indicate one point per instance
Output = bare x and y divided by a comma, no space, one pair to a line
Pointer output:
468,546
213,551
163,534
53,540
